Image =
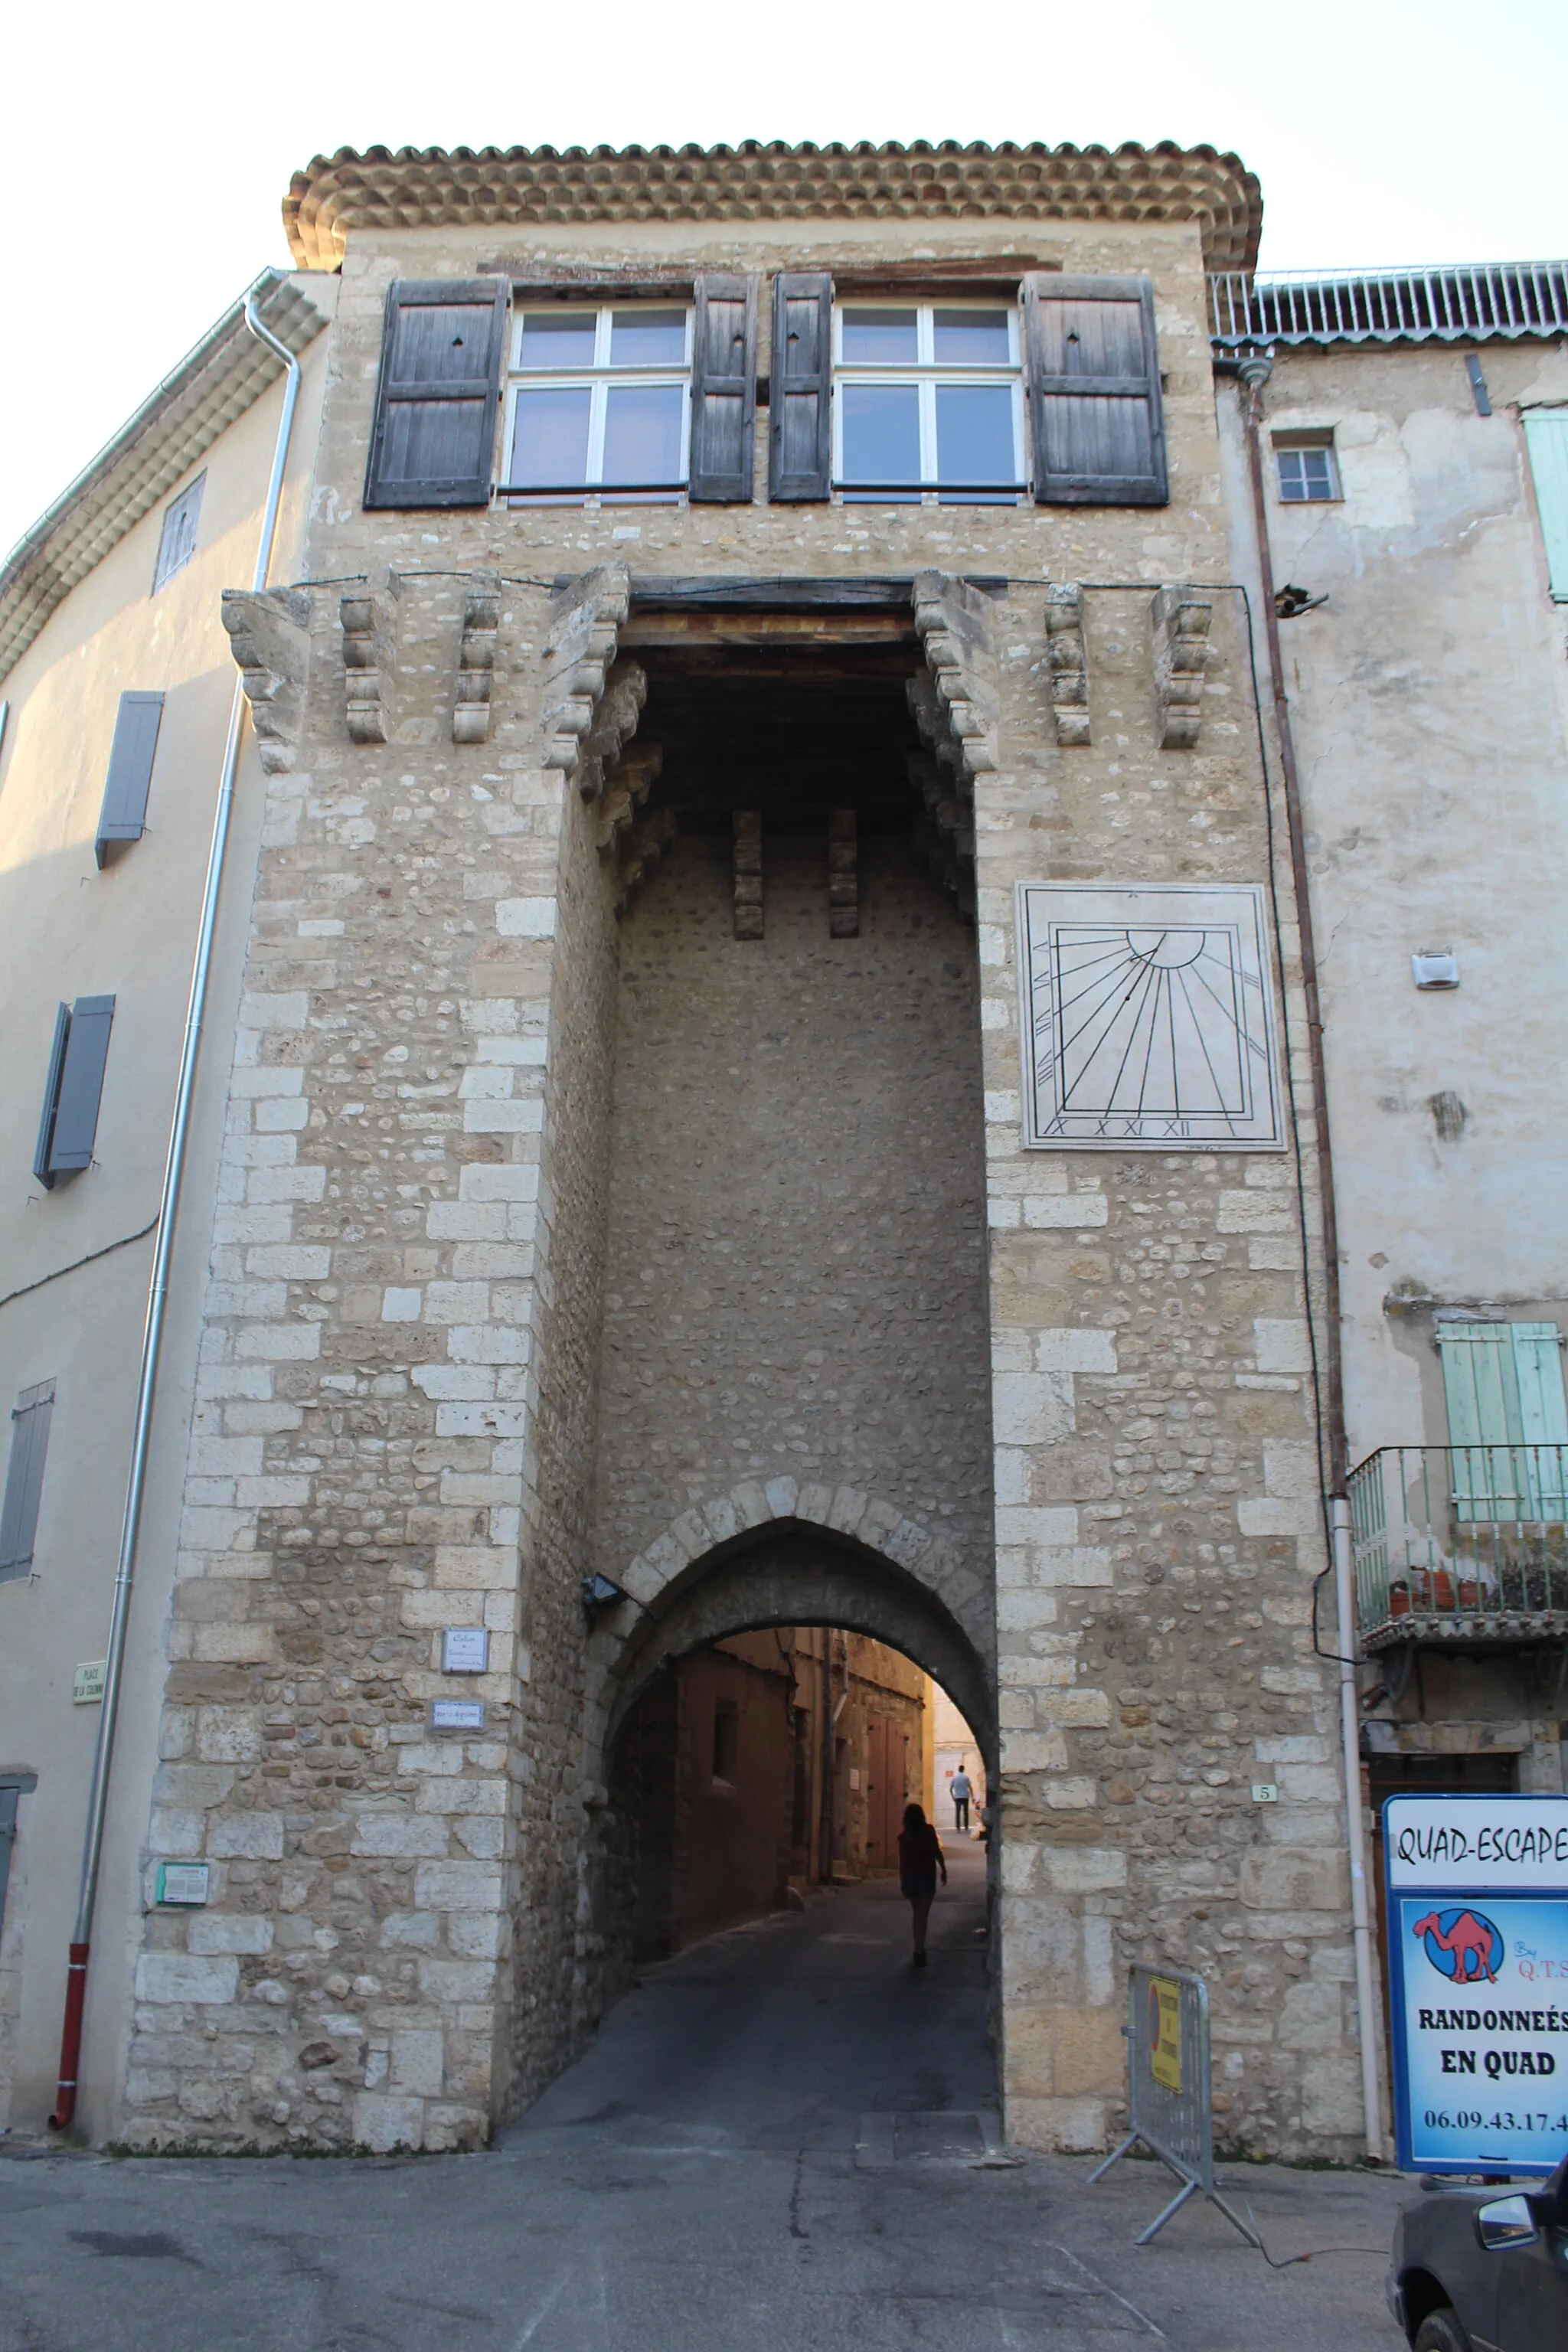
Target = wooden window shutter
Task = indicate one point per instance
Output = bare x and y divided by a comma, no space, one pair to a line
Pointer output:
800,414
41,1168
123,816
1094,392
437,399
69,1123
24,1478
723,390
1546,436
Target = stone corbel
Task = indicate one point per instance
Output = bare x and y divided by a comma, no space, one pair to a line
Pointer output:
1180,618
748,873
269,637
1069,660
649,838
633,779
578,653
614,722
952,620
369,618
941,776
843,874
476,660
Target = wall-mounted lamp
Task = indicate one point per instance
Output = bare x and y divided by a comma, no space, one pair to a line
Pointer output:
1436,967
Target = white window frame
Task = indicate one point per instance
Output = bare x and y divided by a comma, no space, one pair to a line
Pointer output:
926,372
597,380
1294,445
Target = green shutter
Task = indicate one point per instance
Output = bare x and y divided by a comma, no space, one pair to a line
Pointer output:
1481,1385
1544,1414
1546,434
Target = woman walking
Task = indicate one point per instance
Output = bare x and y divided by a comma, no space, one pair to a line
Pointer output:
920,1858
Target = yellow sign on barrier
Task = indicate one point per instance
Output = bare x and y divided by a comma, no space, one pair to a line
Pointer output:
1165,2032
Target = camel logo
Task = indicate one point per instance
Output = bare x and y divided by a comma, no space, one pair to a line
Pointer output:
1463,1946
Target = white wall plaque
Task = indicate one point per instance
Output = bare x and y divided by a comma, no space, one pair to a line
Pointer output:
87,1683
465,1650
183,1882
1147,1018
456,1714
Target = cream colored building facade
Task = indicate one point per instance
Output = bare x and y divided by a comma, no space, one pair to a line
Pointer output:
627,1210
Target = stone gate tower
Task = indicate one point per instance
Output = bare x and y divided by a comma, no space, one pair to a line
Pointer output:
770,1088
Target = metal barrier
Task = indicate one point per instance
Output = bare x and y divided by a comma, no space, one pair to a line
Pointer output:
1169,2092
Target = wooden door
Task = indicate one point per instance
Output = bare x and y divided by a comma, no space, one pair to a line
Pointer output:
887,1761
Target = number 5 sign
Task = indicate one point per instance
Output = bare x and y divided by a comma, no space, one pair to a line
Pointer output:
1477,1964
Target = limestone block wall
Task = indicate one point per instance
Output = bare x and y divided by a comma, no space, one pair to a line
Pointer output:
795,1284
395,1397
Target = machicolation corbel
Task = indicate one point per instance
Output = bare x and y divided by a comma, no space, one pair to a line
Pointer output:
369,618
1069,660
269,637
578,653
476,660
1180,619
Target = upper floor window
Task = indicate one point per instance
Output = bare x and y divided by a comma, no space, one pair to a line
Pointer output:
1308,472
927,399
177,543
599,400
1546,436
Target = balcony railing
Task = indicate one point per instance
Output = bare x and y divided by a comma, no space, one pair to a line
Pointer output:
1462,1543
1443,305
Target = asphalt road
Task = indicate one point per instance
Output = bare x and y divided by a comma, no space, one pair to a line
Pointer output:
786,2139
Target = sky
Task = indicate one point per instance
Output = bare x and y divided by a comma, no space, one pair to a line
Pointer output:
147,148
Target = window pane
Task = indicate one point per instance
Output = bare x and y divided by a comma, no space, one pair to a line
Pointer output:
558,339
881,335
550,437
972,338
648,338
1291,485
642,433
881,425
1315,466
975,433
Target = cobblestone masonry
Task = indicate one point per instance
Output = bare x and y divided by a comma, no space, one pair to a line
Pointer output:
402,1343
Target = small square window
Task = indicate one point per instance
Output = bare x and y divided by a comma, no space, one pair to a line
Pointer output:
178,543
1308,474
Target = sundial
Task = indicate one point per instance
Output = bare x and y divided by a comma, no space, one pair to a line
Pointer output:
1147,1018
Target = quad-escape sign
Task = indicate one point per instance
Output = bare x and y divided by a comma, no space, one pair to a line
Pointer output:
1477,1965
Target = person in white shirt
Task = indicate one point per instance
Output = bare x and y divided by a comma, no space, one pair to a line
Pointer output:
959,1789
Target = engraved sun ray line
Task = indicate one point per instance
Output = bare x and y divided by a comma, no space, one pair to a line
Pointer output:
1067,1043
1132,1037
1088,1060
1244,1033
1204,1049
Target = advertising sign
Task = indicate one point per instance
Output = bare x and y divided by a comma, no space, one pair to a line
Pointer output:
1477,1960
1165,2032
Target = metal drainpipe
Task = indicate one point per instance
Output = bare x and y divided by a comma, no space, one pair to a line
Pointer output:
158,1288
1255,368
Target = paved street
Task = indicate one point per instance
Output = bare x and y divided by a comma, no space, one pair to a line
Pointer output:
781,2140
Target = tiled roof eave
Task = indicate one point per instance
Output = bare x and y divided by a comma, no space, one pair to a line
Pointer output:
492,187
197,401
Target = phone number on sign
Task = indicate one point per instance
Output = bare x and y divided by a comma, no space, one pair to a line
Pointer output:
1501,2120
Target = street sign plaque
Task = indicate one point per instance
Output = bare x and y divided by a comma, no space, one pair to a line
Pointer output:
1478,1957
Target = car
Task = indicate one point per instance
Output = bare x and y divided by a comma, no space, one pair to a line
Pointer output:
1484,2274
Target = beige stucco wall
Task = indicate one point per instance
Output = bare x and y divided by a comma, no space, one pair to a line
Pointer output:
128,931
1429,697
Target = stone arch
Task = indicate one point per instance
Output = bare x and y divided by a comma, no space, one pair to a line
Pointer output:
780,1552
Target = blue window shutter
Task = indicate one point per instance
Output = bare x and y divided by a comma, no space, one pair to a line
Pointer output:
81,1085
123,816
1546,436
1544,1414
1481,1386
24,1478
41,1167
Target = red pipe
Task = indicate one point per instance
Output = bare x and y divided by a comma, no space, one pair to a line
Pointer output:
70,2038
